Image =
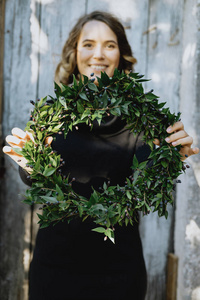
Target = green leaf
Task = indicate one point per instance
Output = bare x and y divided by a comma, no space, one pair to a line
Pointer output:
80,84
83,96
56,128
104,99
135,176
164,163
74,81
57,88
105,186
110,234
116,111
92,87
53,162
44,108
63,102
42,101
44,225
98,208
85,79
48,171
27,201
43,114
51,111
151,96
137,113
85,114
94,198
64,206
124,109
17,150
80,209
40,135
160,105
159,195
37,165
135,163
99,229
49,199
105,79
128,194
60,195
142,165
80,107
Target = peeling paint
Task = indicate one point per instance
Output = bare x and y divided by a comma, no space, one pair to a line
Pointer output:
193,233
196,294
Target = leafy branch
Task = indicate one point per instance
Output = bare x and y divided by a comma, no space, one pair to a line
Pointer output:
150,186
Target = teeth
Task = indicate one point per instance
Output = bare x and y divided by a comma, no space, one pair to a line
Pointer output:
99,68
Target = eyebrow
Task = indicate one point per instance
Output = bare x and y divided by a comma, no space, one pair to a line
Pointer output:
108,41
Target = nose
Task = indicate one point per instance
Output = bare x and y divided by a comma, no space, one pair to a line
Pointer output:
98,52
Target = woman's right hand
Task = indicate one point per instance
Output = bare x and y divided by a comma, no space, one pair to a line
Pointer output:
18,140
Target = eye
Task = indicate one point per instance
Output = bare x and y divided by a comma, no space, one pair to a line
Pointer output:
111,46
88,45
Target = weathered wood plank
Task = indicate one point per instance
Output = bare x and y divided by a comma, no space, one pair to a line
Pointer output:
172,272
187,226
56,20
18,89
163,64
2,20
164,50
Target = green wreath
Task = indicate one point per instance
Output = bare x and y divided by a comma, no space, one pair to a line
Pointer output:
148,189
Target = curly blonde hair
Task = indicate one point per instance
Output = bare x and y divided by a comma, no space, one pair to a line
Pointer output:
68,66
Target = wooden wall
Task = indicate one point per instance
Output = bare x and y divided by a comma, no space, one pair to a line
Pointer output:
35,31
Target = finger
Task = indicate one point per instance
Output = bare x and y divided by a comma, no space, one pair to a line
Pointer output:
14,141
49,140
193,151
177,126
184,141
20,160
21,134
156,142
188,151
9,151
176,136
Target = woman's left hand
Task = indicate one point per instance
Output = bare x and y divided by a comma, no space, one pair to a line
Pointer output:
178,136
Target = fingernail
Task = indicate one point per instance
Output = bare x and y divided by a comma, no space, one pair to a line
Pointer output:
169,129
174,143
167,140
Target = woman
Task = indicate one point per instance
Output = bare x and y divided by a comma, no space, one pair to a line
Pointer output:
70,261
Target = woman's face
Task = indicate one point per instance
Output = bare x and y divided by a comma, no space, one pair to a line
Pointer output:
97,49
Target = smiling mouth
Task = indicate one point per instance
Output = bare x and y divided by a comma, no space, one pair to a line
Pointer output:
98,67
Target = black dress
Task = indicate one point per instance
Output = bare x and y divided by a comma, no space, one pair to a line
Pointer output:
70,261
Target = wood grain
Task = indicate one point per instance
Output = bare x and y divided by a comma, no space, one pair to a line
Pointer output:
172,273
35,32
2,19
